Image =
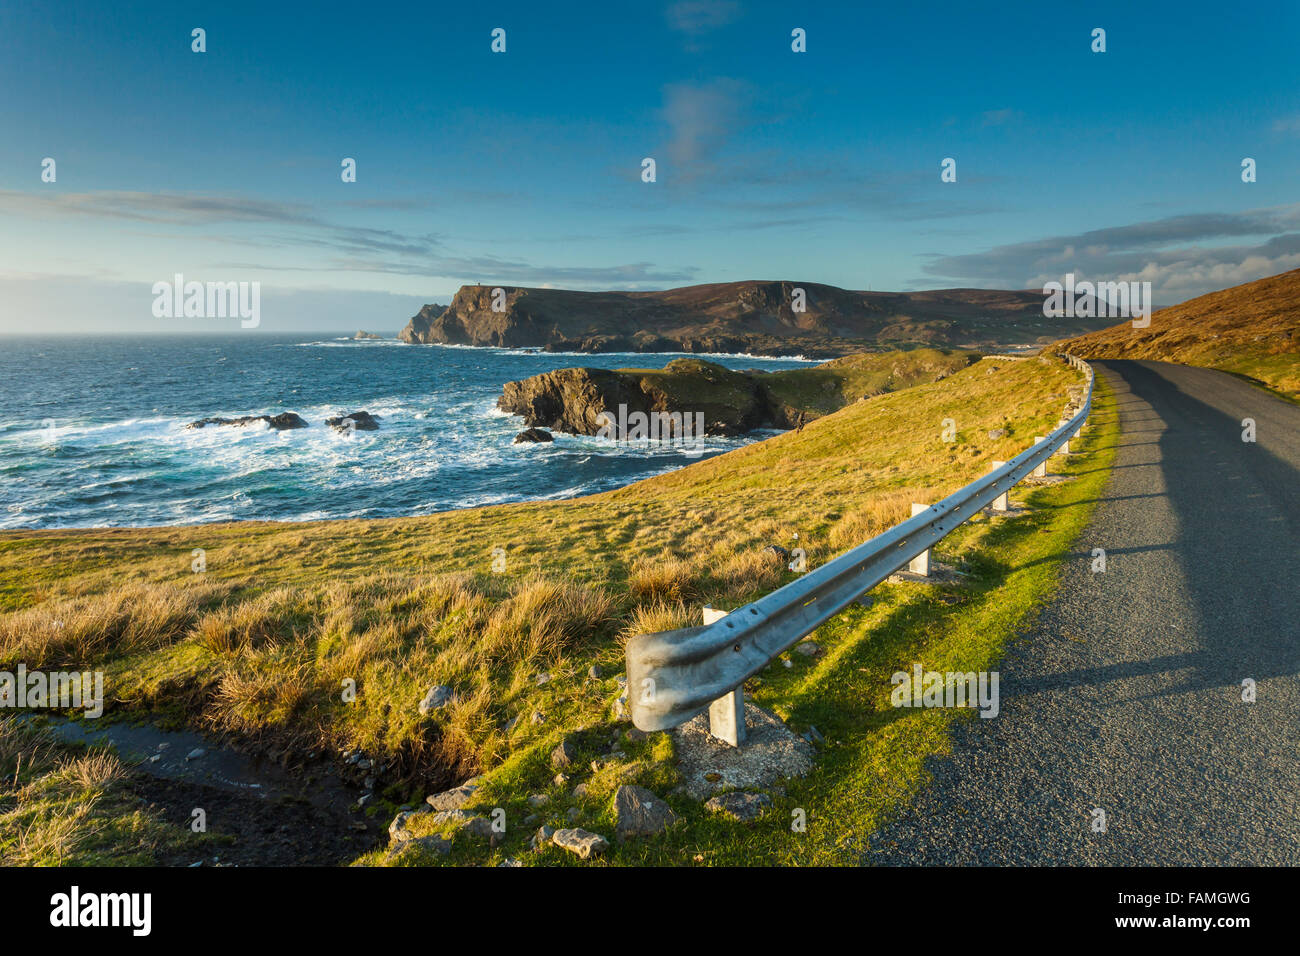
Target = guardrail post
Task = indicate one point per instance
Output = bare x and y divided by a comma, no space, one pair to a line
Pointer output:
713,614
1001,502
921,563
726,714
727,718
1041,470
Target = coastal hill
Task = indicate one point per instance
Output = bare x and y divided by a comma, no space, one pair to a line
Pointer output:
753,317
1252,330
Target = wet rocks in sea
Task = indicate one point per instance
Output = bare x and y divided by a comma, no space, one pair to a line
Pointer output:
354,421
280,422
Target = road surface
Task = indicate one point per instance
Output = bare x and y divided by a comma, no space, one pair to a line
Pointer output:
1127,695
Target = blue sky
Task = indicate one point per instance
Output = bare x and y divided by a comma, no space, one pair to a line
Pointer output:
524,168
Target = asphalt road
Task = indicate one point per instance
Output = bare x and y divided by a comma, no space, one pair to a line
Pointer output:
1127,694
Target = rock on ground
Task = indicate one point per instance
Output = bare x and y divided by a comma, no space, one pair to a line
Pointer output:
739,805
640,813
455,798
397,830
433,843
582,842
771,751
563,754
479,826
437,697
542,837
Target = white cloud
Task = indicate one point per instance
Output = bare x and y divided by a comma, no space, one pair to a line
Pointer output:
697,17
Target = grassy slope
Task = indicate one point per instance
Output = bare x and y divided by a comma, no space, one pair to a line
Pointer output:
258,644
1252,330
834,384
695,384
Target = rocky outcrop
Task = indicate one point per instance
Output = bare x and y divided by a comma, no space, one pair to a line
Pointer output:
278,422
760,318
367,335
574,399
354,421
693,396
532,436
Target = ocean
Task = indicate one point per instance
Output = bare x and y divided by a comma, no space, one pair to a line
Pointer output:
93,432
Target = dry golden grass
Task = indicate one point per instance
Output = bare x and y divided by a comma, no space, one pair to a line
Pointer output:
875,517
258,692
744,572
670,579
60,633
54,808
660,616
53,838
93,770
266,618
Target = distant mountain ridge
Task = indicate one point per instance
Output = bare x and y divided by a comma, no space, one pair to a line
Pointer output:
756,317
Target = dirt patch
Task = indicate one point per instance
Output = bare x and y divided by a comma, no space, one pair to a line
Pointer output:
255,830
263,812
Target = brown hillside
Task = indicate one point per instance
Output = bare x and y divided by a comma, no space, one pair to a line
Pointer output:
1251,330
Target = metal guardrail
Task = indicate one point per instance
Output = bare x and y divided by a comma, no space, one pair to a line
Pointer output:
674,675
